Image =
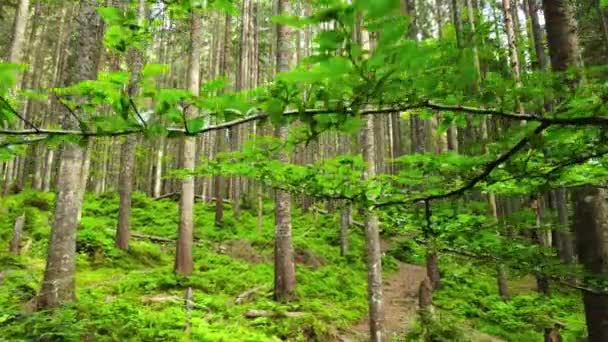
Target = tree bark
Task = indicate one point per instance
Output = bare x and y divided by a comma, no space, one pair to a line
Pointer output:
15,245
345,222
541,55
284,265
184,263
591,227
590,210
58,283
127,153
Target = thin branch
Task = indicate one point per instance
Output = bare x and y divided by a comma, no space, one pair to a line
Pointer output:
22,118
481,176
22,142
576,121
72,113
143,122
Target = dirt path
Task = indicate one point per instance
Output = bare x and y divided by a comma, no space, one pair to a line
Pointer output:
400,303
400,306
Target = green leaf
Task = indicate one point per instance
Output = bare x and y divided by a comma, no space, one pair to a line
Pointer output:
154,70
275,109
196,125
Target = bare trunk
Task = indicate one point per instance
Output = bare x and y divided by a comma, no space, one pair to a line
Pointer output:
591,227
539,47
127,153
58,283
372,243
184,264
15,245
284,265
19,27
345,222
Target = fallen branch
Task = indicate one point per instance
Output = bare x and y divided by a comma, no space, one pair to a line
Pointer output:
246,296
253,313
152,238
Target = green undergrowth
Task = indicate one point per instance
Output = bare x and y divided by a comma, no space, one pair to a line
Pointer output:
468,302
135,296
470,292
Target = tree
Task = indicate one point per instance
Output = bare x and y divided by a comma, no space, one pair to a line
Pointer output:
58,282
183,258
284,265
127,151
590,210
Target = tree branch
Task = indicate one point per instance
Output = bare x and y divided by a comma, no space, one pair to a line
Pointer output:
481,176
22,118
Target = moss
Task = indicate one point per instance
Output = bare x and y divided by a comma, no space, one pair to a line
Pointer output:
112,284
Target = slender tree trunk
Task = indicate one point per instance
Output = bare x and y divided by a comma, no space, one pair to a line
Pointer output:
565,248
539,48
184,264
372,242
345,222
15,56
58,283
127,153
19,27
284,265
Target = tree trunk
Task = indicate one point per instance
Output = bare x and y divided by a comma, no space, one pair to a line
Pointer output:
345,222
590,210
284,266
184,264
591,227
372,243
127,155
565,248
19,27
15,245
58,283
539,48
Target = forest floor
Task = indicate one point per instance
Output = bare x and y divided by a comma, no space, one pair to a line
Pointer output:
135,294
400,303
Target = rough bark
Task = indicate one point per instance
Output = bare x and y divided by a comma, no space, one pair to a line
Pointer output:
184,263
19,26
590,210
127,150
15,245
565,247
345,222
537,34
284,265
58,283
591,227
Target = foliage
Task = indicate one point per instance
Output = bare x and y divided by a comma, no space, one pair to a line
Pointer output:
115,287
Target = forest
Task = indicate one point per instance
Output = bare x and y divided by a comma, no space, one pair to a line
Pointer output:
304,170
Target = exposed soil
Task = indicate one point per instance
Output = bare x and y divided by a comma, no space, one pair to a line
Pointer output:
400,307
400,303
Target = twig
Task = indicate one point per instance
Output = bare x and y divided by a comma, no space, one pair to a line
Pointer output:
143,122
22,118
481,176
72,113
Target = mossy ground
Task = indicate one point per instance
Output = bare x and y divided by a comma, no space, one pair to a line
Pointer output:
114,288
135,296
